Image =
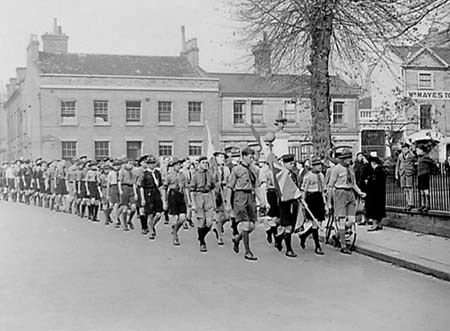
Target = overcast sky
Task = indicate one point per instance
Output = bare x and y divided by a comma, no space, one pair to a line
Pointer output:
143,27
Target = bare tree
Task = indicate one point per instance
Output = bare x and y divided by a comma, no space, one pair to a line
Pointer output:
310,31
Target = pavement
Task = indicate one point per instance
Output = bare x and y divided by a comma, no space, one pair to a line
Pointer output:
419,252
59,272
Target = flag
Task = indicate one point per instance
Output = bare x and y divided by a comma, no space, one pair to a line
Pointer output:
286,188
264,149
210,149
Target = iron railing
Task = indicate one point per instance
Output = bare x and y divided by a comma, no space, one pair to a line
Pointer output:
439,192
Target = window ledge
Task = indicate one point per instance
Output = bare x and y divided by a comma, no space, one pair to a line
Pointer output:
69,124
196,124
166,124
425,88
102,124
134,124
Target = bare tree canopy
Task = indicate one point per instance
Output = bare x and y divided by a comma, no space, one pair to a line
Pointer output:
305,33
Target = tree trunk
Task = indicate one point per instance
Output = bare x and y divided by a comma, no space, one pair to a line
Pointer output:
322,29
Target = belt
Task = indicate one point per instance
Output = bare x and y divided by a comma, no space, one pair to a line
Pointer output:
245,191
70,181
130,185
344,188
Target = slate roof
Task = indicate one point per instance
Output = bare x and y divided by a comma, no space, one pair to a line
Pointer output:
241,84
120,65
405,52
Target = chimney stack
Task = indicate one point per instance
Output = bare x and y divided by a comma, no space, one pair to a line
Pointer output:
262,53
189,49
56,42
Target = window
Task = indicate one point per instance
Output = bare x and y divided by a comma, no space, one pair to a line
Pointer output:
425,117
133,111
68,112
256,112
338,113
101,111
165,148
239,112
195,148
425,81
101,149
68,150
134,150
290,111
164,111
195,112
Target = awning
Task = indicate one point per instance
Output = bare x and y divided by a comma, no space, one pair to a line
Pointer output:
424,136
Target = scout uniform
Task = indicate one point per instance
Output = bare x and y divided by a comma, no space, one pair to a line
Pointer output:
313,188
242,181
202,196
342,188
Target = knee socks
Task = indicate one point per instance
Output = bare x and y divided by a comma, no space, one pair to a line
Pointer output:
143,219
287,240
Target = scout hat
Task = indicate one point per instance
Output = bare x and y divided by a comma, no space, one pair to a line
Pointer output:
221,153
143,158
286,158
346,154
175,161
316,161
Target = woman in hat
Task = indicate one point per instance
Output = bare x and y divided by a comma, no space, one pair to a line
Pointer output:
376,194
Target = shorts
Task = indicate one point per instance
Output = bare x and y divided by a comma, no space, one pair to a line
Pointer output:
61,188
153,201
71,189
127,197
423,182
344,203
316,205
114,197
406,181
11,183
245,206
272,199
288,212
205,205
83,192
176,202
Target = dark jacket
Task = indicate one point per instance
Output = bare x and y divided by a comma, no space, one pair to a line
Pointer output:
376,194
425,165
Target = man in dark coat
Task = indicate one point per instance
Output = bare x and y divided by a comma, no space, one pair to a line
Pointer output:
376,194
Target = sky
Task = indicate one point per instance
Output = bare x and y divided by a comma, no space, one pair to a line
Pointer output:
137,27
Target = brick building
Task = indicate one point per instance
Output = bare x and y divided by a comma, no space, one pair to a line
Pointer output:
262,96
67,104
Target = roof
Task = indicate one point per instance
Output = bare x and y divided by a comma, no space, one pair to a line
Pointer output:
365,103
405,52
243,84
117,65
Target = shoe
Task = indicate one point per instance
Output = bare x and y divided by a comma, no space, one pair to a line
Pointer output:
346,251
185,226
126,229
269,236
166,222
131,225
372,229
176,242
220,242
144,232
319,251
279,243
250,257
291,254
117,226
203,248
235,245
152,236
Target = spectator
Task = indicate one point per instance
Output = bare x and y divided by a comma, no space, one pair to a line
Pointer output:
424,169
362,171
404,171
447,165
376,194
